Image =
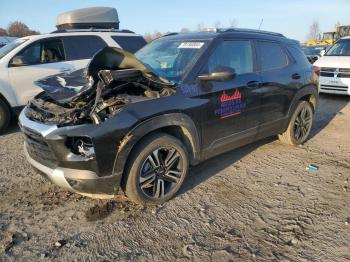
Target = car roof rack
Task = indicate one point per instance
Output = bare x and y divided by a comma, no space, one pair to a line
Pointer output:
227,30
92,30
84,18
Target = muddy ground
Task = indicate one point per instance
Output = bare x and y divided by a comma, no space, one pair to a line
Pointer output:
256,203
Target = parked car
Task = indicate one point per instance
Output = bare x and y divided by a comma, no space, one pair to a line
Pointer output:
28,59
334,68
138,122
313,53
4,40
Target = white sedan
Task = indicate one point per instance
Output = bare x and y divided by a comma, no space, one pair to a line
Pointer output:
334,68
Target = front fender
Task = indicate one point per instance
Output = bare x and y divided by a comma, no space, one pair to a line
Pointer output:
181,120
7,93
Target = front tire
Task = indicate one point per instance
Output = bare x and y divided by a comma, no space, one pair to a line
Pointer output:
5,116
156,170
299,126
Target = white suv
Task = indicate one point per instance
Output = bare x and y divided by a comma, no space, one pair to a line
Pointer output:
30,58
334,68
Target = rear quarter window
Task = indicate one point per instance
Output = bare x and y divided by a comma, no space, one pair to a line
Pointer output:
298,55
130,43
271,56
82,47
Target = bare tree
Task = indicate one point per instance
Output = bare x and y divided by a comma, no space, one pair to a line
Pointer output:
34,32
217,24
314,31
185,30
200,27
20,29
157,35
148,37
3,32
233,23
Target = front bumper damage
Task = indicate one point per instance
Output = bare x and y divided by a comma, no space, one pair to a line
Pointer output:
76,131
78,179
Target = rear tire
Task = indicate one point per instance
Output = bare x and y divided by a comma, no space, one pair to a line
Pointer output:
155,170
5,116
299,126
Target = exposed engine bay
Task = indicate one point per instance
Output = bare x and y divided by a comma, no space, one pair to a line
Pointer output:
112,79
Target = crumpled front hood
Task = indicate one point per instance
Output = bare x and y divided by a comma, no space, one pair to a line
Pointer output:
64,87
113,58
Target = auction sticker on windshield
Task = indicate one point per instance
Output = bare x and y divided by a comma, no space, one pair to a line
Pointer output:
194,45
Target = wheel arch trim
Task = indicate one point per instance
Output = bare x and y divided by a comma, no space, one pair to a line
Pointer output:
180,120
309,90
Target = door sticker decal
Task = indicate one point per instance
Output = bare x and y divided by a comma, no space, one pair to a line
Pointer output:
189,89
230,105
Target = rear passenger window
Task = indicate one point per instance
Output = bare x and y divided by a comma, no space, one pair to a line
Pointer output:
82,47
237,55
130,43
298,55
52,51
271,56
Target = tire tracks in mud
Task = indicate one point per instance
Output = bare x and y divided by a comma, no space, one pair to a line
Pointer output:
255,203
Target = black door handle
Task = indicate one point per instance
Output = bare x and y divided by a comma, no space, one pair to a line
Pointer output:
253,84
296,76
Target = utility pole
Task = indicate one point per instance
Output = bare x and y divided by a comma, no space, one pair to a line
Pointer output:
262,20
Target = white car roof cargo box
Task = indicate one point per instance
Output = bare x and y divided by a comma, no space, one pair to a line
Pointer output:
91,17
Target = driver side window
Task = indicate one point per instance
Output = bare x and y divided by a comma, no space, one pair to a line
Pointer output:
237,55
42,52
31,54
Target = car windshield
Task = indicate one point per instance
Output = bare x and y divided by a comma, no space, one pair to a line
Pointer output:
171,59
10,46
340,48
312,50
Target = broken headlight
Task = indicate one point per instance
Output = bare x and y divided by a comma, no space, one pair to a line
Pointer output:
81,146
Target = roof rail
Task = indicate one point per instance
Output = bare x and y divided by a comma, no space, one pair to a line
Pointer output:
249,31
92,30
169,34
225,30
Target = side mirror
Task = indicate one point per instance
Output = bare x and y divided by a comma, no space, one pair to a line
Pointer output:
17,61
219,74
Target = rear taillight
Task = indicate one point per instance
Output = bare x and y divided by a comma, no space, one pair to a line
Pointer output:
317,70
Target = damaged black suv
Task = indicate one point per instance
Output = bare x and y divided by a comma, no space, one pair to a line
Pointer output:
139,121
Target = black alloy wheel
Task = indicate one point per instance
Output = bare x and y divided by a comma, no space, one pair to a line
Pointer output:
302,124
156,169
160,172
299,126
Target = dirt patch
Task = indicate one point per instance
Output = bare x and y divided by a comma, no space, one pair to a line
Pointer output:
255,203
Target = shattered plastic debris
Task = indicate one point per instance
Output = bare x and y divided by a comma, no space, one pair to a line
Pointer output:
60,243
312,168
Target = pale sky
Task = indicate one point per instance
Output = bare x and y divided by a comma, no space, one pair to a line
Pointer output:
292,18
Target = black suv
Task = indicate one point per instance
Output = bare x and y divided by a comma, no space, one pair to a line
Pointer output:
138,121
